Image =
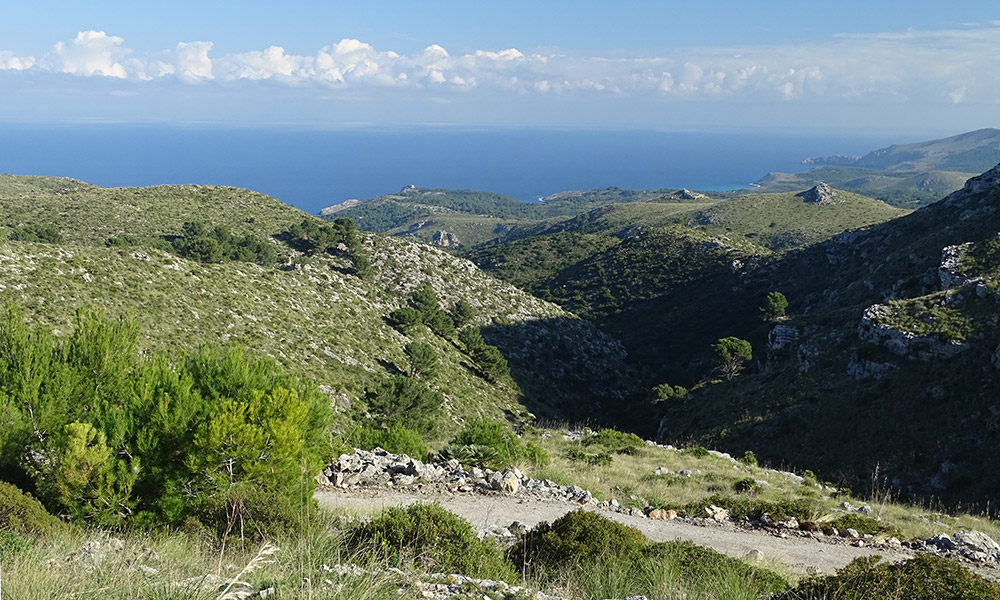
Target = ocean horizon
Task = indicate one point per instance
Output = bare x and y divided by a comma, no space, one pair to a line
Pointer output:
313,169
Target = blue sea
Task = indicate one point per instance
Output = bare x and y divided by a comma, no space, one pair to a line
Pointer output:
312,169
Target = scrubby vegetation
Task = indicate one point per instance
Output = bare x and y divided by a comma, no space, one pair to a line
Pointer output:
110,437
200,243
598,558
926,577
433,539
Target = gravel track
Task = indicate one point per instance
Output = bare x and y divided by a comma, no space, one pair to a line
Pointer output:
797,554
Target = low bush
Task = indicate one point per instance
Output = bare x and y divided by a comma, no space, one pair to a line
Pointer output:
862,525
747,507
509,448
579,538
602,459
20,513
435,540
395,438
618,442
926,577
605,559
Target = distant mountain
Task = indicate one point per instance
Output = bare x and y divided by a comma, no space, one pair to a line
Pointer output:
904,175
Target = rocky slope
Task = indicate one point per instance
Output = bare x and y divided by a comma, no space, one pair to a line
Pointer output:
884,374
308,312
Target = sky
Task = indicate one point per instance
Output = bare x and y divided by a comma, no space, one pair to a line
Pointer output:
672,64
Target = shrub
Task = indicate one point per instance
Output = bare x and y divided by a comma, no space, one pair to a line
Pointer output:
404,319
396,439
697,452
509,448
109,436
598,460
401,399
608,559
47,234
435,540
423,359
618,442
926,577
578,538
745,507
22,514
746,486
748,458
862,525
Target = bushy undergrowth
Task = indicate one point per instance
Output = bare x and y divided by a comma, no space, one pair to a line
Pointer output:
434,539
494,445
111,437
22,514
599,558
926,577
615,441
396,439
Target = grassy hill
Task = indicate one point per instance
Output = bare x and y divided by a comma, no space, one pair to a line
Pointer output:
906,190
308,312
469,219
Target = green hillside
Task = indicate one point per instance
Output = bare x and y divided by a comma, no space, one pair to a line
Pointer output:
308,312
886,363
901,189
469,219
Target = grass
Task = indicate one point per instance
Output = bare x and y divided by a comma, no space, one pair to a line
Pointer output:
630,479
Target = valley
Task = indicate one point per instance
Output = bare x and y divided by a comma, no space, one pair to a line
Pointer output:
187,357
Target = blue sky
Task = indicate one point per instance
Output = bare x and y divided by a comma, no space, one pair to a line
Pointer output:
673,64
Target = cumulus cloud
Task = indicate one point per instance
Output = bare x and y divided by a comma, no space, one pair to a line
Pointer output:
947,65
91,53
10,62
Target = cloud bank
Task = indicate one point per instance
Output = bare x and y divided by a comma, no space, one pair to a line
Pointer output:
954,66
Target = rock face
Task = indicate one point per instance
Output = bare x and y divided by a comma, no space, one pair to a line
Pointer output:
445,239
686,194
874,329
951,260
821,193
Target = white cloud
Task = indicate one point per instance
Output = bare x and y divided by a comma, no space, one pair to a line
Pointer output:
9,61
91,53
944,65
191,60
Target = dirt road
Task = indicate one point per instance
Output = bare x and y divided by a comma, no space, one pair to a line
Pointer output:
800,555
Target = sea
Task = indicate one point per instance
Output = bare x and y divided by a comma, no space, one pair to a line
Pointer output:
312,168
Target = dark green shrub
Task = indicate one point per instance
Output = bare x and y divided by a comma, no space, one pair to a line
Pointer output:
435,540
472,455
395,438
401,399
423,359
748,458
21,513
926,577
579,538
509,448
746,486
602,459
121,241
462,313
618,442
47,234
129,437
742,506
404,319
697,452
